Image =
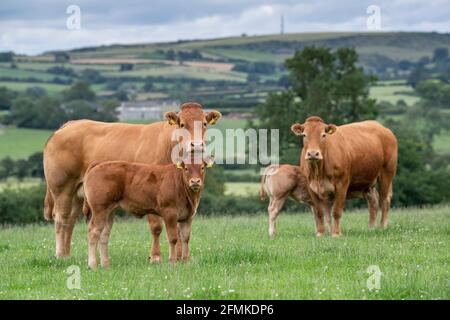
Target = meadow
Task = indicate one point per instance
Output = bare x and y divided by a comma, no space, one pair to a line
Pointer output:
233,258
19,143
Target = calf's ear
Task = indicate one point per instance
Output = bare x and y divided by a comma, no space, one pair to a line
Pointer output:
330,129
297,129
180,164
209,161
172,117
213,116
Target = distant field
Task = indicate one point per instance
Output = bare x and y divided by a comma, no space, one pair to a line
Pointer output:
234,258
21,143
51,88
393,93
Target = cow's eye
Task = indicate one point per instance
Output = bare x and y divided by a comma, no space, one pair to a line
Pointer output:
324,135
182,125
304,135
204,124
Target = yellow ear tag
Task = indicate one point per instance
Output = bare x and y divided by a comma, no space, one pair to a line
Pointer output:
172,122
179,165
212,121
330,131
209,164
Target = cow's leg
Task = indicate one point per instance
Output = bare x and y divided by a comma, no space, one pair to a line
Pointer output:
338,209
63,207
77,206
385,196
155,224
275,206
185,233
104,240
95,229
372,203
170,220
318,211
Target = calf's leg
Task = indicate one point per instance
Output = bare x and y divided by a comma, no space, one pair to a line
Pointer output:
104,240
385,196
185,233
170,220
95,228
275,205
155,226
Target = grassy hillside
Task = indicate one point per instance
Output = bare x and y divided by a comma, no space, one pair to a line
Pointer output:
20,143
233,258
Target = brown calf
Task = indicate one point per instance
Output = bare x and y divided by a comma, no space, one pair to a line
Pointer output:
168,191
288,181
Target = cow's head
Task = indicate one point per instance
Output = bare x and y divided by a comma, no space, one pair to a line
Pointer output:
194,171
194,121
314,132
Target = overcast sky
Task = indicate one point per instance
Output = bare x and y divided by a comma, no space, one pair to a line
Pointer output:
35,26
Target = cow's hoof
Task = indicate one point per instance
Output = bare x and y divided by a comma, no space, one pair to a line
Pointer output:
319,234
92,267
105,265
155,259
335,235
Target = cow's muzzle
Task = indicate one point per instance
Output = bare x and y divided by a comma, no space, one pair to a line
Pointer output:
196,146
313,155
195,184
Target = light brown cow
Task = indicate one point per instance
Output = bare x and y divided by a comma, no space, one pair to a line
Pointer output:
77,144
280,182
338,159
169,191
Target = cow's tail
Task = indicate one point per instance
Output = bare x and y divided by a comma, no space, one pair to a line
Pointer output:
86,207
86,210
262,191
48,205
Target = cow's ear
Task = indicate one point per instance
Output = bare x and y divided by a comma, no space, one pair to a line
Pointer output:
297,129
209,161
330,129
172,117
213,116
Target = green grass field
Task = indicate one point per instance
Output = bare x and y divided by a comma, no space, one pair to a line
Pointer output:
21,143
233,258
244,189
393,93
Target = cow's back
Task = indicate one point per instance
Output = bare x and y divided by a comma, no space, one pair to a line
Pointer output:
77,144
361,149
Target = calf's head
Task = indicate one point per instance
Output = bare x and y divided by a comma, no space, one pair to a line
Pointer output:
314,132
192,121
194,171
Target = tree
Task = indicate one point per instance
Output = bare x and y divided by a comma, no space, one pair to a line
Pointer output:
418,74
330,85
148,85
80,90
7,56
23,112
92,76
440,55
61,57
6,97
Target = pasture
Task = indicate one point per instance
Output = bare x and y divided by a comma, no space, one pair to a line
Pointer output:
233,258
19,143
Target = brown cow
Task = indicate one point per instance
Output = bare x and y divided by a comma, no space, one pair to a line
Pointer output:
77,144
141,189
288,181
349,157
